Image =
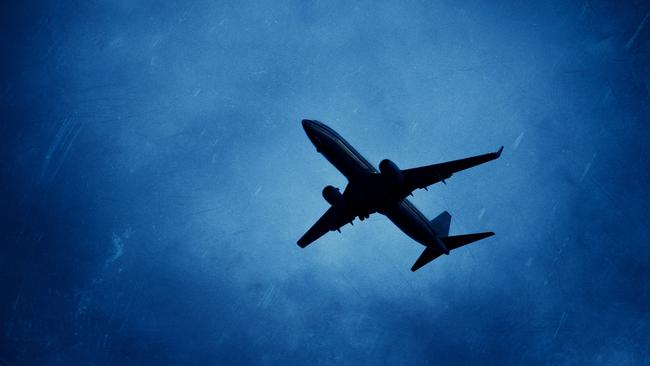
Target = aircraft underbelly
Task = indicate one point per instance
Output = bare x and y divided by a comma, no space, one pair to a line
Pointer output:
406,217
343,156
346,164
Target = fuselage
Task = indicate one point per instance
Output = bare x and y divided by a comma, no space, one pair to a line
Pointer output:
368,199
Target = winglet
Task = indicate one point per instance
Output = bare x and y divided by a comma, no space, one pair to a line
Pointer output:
499,152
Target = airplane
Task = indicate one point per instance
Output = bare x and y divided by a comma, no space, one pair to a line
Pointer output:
385,191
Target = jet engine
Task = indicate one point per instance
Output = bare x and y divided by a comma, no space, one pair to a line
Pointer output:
333,196
392,172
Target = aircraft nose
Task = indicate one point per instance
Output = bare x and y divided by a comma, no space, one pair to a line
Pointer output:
307,124
309,127
312,132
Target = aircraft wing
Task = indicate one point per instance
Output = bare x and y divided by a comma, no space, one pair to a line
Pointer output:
425,176
333,219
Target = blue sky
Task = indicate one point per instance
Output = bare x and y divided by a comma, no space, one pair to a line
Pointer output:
155,179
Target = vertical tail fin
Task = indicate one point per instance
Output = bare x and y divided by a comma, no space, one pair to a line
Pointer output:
440,223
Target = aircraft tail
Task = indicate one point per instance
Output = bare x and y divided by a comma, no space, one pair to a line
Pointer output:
451,242
440,224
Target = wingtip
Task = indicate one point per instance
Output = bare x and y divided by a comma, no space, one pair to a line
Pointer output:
487,234
499,151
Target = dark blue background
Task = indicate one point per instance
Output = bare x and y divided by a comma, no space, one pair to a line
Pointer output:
155,179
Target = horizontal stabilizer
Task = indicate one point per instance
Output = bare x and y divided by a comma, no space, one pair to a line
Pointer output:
427,256
451,242
457,241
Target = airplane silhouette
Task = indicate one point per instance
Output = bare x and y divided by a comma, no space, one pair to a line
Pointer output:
385,191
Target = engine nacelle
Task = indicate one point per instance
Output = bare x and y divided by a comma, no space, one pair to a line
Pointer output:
392,172
333,196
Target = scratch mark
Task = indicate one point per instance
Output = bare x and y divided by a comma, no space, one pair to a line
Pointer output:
63,141
53,146
587,167
630,42
515,144
67,150
118,246
413,127
267,297
562,319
